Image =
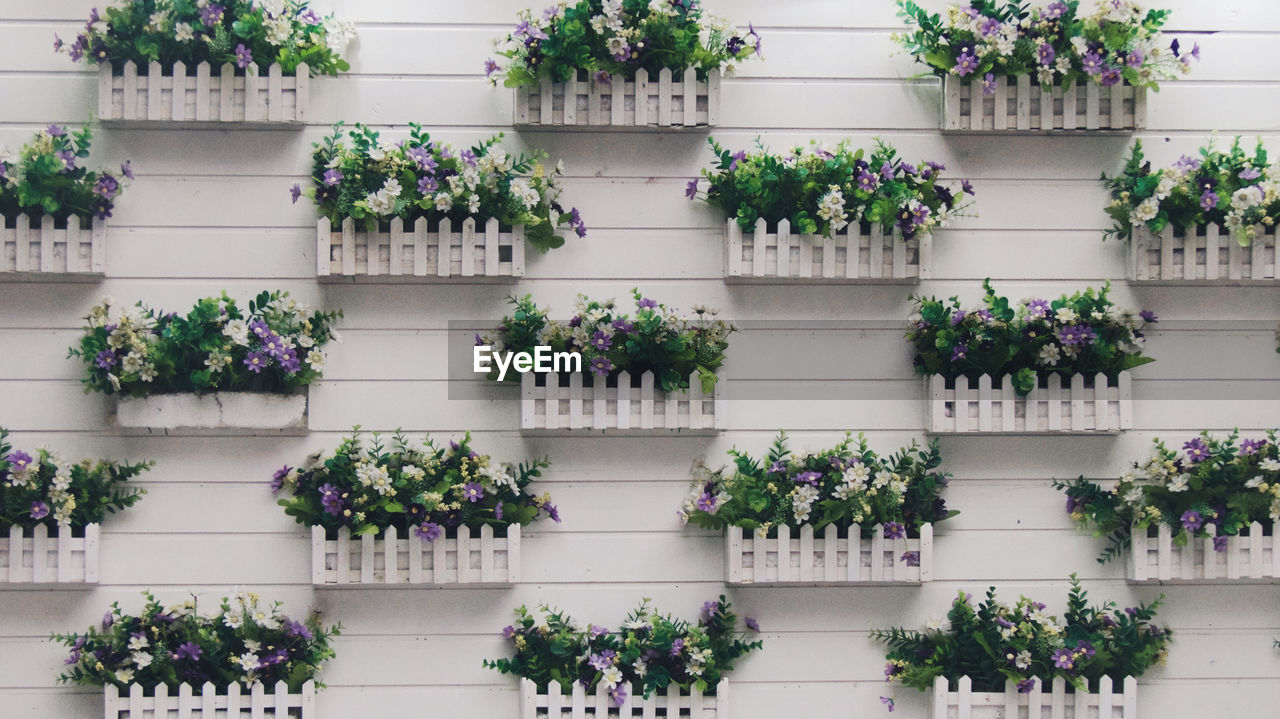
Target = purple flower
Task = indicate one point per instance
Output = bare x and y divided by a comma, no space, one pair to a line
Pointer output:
277,479
472,492
1148,316
259,329
468,157
428,185
1074,503
1054,10
20,461
911,558
866,181
1046,54
735,159
1092,63
107,187
958,317
618,694
211,14
1135,59
509,631
107,620
497,511
989,84
890,670
428,531
603,660
55,131
888,702
1251,446
57,43
189,651
127,169
894,530
553,513
1111,76
295,192
1192,520
421,157
575,321
39,510
646,303
706,502
1084,649
1131,611
289,361
676,647
243,56
298,630
886,171
601,77
1026,685
623,327
105,359
751,623
332,177
575,221
709,607
309,17
966,64
68,158
1063,659
330,499
490,67
1077,335
1186,164
257,361
1209,200
959,353
601,366
966,187
1219,544
1249,174
1197,450
691,189
810,478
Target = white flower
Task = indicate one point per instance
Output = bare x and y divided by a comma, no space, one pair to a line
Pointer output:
1145,211
338,34
611,676
138,643
1269,465
233,620
1023,660
883,477
412,471
1067,315
305,341
131,363
1165,187
316,358
147,373
641,668
1133,496
1045,75
444,202
248,660
1255,482
1179,484
1246,197
182,32
940,625
1049,355
141,659
371,475
526,194
617,45
124,675
238,332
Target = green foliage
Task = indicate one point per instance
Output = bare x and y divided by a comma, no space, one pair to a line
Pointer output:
45,178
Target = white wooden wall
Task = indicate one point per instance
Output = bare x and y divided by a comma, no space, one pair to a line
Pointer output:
210,210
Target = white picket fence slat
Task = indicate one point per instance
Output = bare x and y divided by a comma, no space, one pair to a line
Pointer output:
1204,255
419,253
1057,703
847,256
1019,105
38,251
672,101
551,702
217,413
1250,557
213,702
211,95
44,558
1104,408
807,559
475,558
582,407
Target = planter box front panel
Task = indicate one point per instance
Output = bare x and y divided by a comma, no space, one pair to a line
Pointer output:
417,254
213,702
38,558
1250,557
551,702
1019,105
43,252
1104,408
389,561
217,413
849,256
670,101
1039,703
824,560
620,409
1206,255
153,94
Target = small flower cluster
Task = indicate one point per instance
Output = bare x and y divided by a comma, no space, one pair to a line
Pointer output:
373,180
1080,333
430,490
617,38
657,339
1055,44
44,178
844,485
47,490
277,347
243,643
239,32
993,643
652,651
1213,487
820,190
1232,189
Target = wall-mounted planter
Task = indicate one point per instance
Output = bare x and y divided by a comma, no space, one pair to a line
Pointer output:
216,413
550,702
213,702
848,256
35,557
825,560
171,95
474,558
1036,704
1104,408
1250,557
563,404
421,253
1205,255
1018,105
663,102
43,252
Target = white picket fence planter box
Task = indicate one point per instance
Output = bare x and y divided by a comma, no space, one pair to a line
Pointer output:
1214,257
670,102
215,413
1250,557
618,410
1036,704
1105,408
1021,105
474,558
213,702
419,253
223,98
825,560
45,559
44,251
551,702
848,256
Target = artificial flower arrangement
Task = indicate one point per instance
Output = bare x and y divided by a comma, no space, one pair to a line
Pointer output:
244,642
656,339
1055,44
609,39
822,191
651,653
1235,190
46,179
276,347
992,643
846,485
372,181
429,489
1080,333
239,32
1211,488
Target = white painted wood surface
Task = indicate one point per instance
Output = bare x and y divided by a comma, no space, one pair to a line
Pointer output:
663,101
1074,406
846,256
1250,556
1020,105
1053,702
214,413
180,95
572,402
212,702
475,558
574,702
38,252
1206,255
41,556
807,559
419,253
